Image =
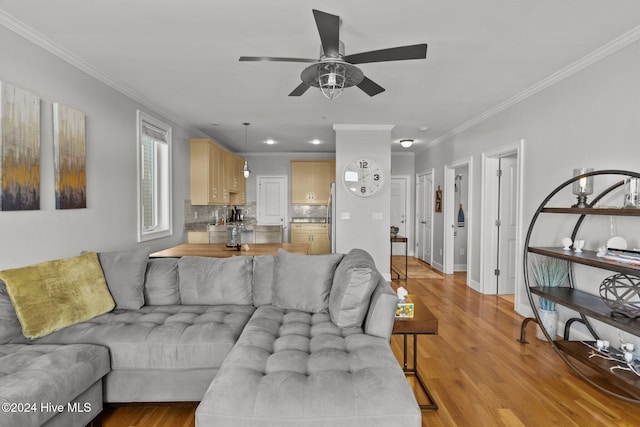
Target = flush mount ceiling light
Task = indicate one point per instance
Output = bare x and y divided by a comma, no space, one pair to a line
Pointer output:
316,142
245,170
406,143
270,142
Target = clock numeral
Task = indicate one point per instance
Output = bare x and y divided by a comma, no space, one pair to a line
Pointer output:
363,190
376,177
364,164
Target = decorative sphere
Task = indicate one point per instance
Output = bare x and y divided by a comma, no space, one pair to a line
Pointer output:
621,292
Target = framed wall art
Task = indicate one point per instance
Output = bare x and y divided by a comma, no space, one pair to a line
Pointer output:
69,157
19,149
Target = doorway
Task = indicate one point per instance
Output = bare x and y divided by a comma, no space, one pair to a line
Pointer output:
424,217
451,216
502,220
460,230
399,208
272,203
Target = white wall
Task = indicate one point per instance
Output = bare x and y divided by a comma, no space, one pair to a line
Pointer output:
362,230
109,221
589,119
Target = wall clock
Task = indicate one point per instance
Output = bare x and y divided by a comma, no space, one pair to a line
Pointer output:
363,177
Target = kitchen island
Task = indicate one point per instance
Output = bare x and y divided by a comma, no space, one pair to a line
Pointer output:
221,250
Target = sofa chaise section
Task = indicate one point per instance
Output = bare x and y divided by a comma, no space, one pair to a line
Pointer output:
52,385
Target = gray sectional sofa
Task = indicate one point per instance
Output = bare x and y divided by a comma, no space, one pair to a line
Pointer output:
273,340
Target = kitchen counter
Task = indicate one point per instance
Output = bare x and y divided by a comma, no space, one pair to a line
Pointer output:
221,250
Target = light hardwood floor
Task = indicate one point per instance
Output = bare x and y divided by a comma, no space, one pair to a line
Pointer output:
477,371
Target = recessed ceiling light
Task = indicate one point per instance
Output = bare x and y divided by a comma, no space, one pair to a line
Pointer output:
270,142
316,142
424,128
215,124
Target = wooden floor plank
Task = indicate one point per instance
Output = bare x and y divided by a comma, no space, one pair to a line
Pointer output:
476,370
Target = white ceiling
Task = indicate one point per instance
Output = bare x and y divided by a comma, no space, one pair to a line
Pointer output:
181,57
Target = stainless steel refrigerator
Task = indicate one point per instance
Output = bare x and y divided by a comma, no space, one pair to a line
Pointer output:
331,215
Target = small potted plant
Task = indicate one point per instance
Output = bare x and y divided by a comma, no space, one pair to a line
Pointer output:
551,273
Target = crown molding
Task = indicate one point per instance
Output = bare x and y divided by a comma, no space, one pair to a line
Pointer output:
599,54
55,49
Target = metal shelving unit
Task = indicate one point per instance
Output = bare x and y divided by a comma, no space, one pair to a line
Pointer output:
578,354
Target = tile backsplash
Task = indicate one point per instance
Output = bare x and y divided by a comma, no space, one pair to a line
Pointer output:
198,213
307,211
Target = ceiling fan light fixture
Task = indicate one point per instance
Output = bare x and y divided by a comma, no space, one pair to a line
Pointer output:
332,76
406,143
331,79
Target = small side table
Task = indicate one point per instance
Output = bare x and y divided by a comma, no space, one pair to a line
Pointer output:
423,322
400,239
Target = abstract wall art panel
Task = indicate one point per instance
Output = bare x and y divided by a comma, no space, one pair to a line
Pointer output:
19,149
69,157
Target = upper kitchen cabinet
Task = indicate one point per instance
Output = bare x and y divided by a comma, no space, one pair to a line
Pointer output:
311,181
216,178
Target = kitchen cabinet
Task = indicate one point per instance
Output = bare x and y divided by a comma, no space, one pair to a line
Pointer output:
315,235
216,177
311,180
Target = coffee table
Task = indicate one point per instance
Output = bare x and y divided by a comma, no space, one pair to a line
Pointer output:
423,322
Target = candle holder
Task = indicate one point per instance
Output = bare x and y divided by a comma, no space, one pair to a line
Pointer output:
582,187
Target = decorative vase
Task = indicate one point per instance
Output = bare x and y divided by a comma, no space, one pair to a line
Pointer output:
549,320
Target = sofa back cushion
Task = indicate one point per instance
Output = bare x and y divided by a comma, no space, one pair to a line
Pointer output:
264,270
303,282
124,271
161,282
55,294
211,281
353,283
9,324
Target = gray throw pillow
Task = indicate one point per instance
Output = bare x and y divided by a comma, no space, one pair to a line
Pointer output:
211,281
303,282
161,282
353,283
124,272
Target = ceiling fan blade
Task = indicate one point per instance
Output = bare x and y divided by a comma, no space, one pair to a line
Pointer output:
417,51
275,59
329,29
301,89
370,87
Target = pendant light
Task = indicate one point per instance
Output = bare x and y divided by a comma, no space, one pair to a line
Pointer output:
246,171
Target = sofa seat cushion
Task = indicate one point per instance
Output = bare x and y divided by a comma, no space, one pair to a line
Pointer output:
162,337
41,374
292,368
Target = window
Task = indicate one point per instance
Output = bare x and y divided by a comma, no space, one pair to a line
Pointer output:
154,179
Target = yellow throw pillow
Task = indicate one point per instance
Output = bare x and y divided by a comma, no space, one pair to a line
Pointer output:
54,294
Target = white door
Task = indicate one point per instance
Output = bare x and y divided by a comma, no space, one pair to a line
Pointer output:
424,212
398,211
507,209
271,208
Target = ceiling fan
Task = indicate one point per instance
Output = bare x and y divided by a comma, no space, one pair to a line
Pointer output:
335,71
